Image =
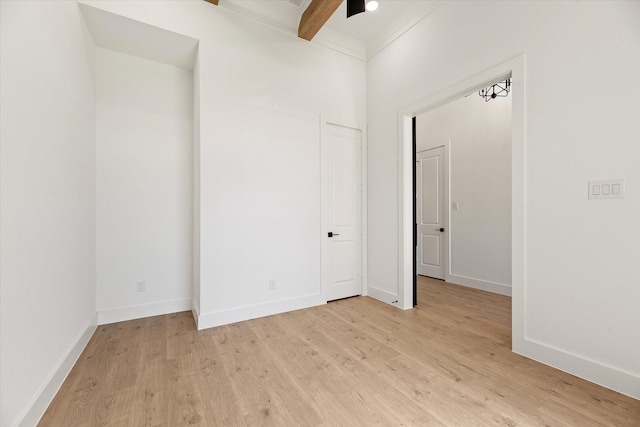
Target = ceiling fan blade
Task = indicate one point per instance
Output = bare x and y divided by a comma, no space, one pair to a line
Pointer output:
354,7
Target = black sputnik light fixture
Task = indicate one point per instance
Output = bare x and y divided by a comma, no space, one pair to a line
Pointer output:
499,89
358,6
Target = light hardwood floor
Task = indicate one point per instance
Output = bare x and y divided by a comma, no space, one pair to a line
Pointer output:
354,362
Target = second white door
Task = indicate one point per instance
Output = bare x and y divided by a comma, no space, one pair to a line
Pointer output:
342,210
430,213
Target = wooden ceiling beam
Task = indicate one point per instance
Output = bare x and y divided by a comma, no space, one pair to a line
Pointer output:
212,1
317,13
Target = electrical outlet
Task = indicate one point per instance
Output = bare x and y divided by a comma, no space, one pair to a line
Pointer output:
141,286
272,283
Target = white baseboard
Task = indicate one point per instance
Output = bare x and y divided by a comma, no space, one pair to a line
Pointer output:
122,314
483,285
41,401
383,296
595,372
239,314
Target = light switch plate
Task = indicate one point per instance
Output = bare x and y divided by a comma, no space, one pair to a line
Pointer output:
606,189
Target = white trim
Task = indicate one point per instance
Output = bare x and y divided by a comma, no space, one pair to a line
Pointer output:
518,201
447,209
196,190
484,285
264,17
239,314
365,215
384,296
601,374
195,312
43,398
324,254
405,210
122,314
332,39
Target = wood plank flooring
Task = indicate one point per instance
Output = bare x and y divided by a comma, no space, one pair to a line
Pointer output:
354,362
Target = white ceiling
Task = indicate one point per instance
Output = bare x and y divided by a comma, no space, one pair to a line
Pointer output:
371,30
361,36
365,26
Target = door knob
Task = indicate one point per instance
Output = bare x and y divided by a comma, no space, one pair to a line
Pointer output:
331,234
440,230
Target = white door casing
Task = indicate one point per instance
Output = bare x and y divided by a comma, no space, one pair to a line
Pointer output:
430,212
342,212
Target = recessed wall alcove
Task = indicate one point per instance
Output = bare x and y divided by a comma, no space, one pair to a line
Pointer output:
144,82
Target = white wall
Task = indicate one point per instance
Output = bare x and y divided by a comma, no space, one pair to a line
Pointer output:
144,128
581,295
47,267
478,137
261,95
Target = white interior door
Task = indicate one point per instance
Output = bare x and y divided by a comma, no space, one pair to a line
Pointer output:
342,212
430,212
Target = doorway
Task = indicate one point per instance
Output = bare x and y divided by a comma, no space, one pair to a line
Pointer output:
513,68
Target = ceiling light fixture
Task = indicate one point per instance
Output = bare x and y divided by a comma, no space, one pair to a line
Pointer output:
358,6
499,89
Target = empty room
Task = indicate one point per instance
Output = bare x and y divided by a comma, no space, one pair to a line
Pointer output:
319,213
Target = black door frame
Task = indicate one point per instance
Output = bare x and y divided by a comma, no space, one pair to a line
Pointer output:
415,223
